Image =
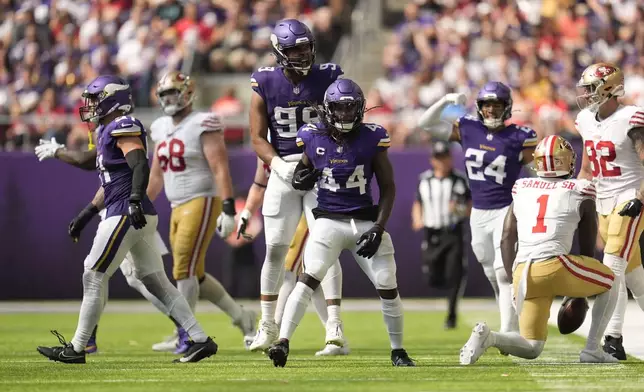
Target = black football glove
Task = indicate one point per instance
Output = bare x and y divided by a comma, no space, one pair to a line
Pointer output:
136,215
305,179
372,239
632,208
83,218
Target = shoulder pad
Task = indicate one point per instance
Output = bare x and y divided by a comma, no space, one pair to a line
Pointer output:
210,122
636,120
258,78
380,135
529,136
126,126
334,70
585,188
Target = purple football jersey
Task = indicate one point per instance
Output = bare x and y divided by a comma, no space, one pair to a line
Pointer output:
493,160
289,106
114,172
347,170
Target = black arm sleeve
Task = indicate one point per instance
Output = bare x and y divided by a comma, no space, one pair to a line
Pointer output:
138,162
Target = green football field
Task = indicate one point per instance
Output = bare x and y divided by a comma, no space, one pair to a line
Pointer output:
126,363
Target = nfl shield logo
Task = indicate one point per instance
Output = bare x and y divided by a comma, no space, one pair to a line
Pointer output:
489,136
296,89
339,149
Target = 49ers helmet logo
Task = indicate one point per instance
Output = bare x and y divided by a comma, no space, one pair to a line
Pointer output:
604,71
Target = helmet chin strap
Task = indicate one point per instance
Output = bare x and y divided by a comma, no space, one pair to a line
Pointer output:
493,123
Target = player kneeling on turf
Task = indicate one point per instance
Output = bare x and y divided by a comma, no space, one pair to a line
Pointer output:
551,207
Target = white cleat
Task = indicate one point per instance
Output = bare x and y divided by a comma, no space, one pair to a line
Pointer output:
267,334
169,344
247,324
476,344
597,356
332,350
334,334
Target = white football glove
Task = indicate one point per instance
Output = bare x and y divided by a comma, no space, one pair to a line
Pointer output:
225,225
242,224
47,149
456,99
283,169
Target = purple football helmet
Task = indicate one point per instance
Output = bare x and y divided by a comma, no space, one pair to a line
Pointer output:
293,45
104,95
344,105
494,92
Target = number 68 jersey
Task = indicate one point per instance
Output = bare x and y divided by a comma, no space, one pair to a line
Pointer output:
547,214
613,160
186,173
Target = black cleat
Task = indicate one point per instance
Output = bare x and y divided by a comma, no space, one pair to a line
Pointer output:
399,357
279,353
450,323
614,347
64,353
198,351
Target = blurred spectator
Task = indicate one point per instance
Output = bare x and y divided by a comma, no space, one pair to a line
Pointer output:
229,106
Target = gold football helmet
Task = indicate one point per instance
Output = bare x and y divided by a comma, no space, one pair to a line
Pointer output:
554,157
599,83
175,92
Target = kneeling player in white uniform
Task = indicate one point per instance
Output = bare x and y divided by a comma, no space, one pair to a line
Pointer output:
548,210
192,162
129,225
341,155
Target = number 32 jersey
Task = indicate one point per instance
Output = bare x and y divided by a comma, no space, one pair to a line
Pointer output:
613,159
289,106
186,173
547,213
493,160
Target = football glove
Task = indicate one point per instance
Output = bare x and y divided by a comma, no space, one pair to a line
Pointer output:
226,220
78,224
305,179
136,215
283,169
632,208
242,224
47,149
372,239
456,99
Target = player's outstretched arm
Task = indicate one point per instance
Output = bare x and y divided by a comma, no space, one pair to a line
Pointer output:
155,183
509,239
587,228
85,160
431,119
385,176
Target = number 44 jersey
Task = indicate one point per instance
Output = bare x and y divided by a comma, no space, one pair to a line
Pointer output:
547,213
493,160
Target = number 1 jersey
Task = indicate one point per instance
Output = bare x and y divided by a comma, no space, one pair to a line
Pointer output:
547,213
493,160
186,172
289,106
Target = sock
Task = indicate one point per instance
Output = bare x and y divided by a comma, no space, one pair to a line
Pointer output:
296,305
635,283
212,290
604,305
392,313
455,293
175,322
94,300
616,322
271,278
137,285
319,302
509,319
516,345
287,287
334,314
159,285
189,288
94,333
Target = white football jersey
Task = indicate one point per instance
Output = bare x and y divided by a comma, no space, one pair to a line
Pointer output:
547,213
186,172
615,165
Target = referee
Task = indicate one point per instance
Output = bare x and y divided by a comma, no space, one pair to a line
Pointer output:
442,204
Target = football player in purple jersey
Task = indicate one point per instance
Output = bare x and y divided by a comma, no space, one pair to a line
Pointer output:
129,226
341,155
495,153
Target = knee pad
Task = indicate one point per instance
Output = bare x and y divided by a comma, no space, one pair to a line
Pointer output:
385,279
94,282
537,348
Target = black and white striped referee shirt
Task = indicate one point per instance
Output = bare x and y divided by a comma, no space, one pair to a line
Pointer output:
435,195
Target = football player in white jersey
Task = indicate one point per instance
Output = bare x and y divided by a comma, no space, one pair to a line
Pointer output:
548,211
191,161
614,154
293,262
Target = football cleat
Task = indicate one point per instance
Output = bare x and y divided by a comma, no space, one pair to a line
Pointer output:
596,356
476,344
183,341
399,357
279,353
91,347
334,334
198,351
169,344
614,347
450,323
267,334
331,350
247,323
64,353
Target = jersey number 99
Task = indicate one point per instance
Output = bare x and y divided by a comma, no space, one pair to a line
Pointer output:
289,120
170,155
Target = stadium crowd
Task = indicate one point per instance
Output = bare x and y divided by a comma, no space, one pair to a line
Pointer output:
51,49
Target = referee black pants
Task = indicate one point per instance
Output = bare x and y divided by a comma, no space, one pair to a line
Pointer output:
444,263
